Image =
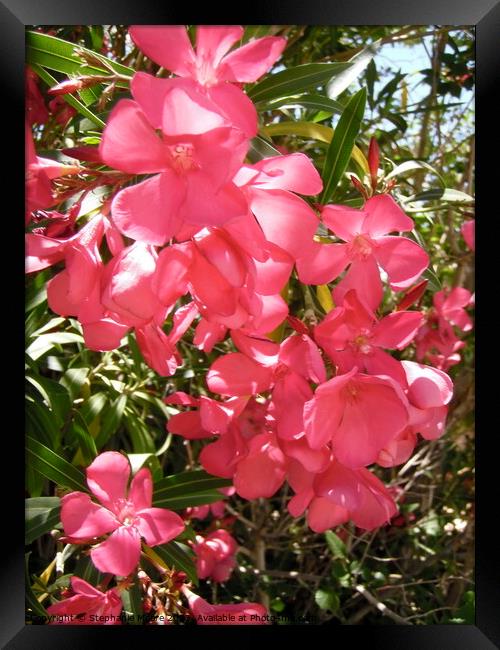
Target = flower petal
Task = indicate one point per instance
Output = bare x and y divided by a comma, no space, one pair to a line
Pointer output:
294,172
212,41
383,215
251,61
107,477
148,211
120,553
167,45
129,142
104,334
210,287
236,106
371,418
141,489
363,276
402,259
235,374
262,472
82,518
323,514
286,219
187,112
397,330
157,349
322,263
344,222
428,387
159,526
208,207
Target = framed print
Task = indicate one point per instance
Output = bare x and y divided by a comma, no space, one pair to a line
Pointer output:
250,324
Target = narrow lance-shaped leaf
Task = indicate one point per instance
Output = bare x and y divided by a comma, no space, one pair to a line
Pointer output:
315,132
344,79
175,556
53,467
341,146
42,514
314,101
59,55
294,80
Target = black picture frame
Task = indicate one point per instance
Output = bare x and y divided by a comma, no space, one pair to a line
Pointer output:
485,16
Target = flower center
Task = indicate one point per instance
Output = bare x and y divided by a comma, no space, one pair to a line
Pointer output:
361,342
183,157
361,247
126,512
205,73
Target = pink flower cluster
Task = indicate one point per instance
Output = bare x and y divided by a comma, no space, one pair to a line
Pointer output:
273,426
436,340
215,241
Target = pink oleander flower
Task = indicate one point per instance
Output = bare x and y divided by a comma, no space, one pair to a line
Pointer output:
193,160
367,246
39,172
436,339
450,306
235,614
211,68
271,186
246,450
215,555
87,601
358,414
338,494
429,391
229,286
125,513
468,231
352,336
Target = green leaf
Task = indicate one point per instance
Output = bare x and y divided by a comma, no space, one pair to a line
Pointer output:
188,489
42,514
259,149
53,467
42,423
148,460
411,165
91,408
295,80
335,544
86,442
111,420
342,144
140,434
327,600
175,555
397,120
344,79
46,342
317,102
59,55
55,395
73,379
34,609
315,132
441,194
132,604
